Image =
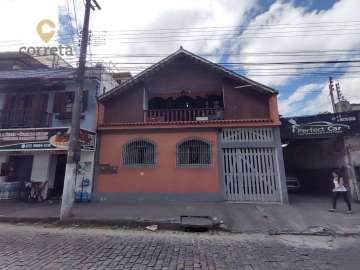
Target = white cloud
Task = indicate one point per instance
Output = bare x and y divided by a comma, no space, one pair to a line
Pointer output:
159,14
291,104
285,17
349,85
23,16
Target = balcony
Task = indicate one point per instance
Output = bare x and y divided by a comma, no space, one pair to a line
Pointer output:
184,107
189,114
24,119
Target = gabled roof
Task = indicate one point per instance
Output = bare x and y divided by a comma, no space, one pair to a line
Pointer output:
169,59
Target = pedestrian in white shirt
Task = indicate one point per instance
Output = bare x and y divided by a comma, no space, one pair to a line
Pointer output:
339,190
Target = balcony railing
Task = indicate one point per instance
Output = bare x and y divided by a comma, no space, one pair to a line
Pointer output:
191,114
24,119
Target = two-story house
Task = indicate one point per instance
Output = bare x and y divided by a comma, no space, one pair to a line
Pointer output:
36,97
188,129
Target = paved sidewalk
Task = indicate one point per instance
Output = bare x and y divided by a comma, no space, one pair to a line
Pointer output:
303,215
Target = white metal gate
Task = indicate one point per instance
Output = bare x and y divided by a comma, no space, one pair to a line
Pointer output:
250,165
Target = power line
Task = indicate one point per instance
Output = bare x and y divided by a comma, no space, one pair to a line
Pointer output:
211,37
238,26
222,32
258,63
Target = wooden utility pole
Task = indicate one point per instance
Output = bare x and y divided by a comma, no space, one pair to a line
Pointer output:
73,157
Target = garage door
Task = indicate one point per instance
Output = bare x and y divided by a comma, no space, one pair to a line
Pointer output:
250,165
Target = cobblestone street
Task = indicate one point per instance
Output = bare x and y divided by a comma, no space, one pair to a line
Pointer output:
37,247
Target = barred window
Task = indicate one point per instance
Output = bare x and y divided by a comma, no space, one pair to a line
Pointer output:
193,153
139,153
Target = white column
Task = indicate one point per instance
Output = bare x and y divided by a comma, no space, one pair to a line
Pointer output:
41,168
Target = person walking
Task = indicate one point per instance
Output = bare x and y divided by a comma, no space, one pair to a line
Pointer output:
339,190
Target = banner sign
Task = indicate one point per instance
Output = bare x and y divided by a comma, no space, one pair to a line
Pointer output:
321,126
43,139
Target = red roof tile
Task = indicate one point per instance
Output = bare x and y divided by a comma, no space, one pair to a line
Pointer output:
190,124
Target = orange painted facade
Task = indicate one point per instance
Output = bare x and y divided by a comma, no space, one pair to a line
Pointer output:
123,117
165,176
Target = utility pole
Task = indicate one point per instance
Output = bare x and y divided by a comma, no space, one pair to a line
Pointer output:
338,92
74,151
331,88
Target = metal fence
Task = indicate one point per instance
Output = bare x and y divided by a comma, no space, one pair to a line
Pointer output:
250,165
193,153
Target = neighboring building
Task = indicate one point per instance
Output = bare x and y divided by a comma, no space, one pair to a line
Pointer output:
343,106
188,129
121,77
319,144
35,115
355,106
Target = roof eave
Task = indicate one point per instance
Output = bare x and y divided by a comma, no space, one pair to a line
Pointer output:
139,77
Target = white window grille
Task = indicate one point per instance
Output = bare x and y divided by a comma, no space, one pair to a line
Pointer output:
193,153
139,153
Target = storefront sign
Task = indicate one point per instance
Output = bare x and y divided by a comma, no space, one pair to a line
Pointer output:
321,126
43,139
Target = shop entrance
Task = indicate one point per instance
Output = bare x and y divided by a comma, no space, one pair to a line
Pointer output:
311,162
19,168
59,175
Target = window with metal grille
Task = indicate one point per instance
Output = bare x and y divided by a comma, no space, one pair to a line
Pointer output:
139,153
193,153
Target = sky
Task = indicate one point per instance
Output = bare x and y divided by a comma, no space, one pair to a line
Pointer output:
130,35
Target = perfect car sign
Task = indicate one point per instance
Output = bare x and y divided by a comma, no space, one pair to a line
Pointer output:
324,125
317,128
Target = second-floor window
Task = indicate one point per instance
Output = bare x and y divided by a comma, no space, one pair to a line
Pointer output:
139,153
64,103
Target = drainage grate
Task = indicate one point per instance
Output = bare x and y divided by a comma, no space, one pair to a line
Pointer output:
196,223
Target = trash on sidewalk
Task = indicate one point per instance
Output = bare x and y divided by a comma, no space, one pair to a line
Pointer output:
152,228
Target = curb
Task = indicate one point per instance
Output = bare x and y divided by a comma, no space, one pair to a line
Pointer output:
162,225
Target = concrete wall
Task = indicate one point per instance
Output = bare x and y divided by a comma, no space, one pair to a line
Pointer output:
184,76
85,173
353,143
125,108
89,121
245,103
2,100
353,163
40,169
162,181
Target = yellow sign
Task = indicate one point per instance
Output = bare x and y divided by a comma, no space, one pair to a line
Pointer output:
46,36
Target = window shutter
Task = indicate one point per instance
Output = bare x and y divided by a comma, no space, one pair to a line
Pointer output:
59,103
85,100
